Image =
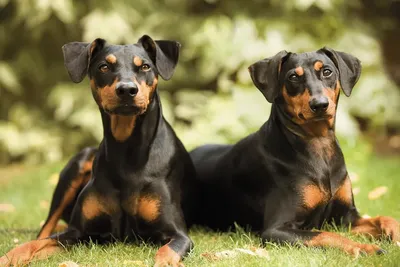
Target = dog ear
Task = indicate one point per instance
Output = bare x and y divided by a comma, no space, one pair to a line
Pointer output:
77,57
265,75
165,54
349,68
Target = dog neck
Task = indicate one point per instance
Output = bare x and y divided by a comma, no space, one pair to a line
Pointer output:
129,138
304,139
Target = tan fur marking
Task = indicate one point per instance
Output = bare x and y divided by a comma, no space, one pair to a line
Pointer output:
92,47
108,97
313,196
137,61
326,239
112,59
318,65
344,194
69,196
148,207
378,227
122,126
279,66
299,104
92,207
165,256
29,251
299,71
145,93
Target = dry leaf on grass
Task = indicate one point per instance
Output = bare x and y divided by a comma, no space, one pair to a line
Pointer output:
44,204
253,251
394,141
53,180
354,177
356,191
377,192
4,207
134,263
260,252
68,264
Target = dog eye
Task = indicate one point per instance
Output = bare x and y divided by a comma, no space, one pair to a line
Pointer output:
145,67
293,77
104,68
327,73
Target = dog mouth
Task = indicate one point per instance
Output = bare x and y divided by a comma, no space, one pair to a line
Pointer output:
321,117
125,109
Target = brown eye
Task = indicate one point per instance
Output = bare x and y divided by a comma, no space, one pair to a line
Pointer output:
145,67
104,68
327,73
293,77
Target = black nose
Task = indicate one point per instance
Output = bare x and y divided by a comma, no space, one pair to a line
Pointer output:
319,104
126,89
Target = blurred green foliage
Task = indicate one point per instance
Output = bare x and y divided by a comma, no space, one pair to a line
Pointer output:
45,117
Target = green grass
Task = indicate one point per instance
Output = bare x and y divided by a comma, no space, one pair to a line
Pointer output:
27,188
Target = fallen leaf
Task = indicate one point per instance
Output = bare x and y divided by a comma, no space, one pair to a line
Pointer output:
253,251
246,251
394,141
209,256
44,204
213,256
134,263
4,207
53,180
356,191
354,177
261,252
68,264
377,192
226,254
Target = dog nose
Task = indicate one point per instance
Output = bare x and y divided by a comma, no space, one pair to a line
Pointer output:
319,104
126,89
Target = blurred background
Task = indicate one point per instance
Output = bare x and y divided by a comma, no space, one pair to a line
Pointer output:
44,117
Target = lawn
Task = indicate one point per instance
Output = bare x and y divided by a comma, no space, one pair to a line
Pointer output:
27,192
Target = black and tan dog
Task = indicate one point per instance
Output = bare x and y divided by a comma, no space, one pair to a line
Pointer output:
141,171
290,176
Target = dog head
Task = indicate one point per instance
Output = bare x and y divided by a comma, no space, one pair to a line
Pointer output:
307,84
123,78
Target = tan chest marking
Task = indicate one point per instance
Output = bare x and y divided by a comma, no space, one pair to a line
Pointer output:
148,207
312,196
94,205
344,194
122,126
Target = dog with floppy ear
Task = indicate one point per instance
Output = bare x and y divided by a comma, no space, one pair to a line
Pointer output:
290,176
142,175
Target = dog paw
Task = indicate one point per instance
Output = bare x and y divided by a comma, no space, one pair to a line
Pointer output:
390,228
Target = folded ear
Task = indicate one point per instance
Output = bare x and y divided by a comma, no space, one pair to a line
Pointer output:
349,68
77,57
165,54
265,75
